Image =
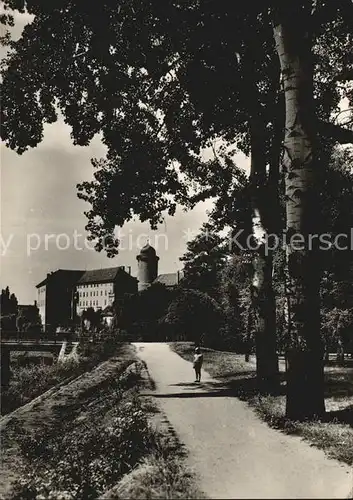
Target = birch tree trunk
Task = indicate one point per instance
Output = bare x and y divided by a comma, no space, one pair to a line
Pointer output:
305,382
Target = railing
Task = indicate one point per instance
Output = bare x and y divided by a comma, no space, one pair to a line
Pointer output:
23,337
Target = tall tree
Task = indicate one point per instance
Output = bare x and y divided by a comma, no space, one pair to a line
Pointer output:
204,259
8,303
8,310
234,290
305,377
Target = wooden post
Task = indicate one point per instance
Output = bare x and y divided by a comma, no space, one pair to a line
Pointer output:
5,366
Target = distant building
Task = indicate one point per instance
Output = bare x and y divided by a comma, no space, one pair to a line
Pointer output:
56,296
100,288
64,294
170,280
108,315
28,317
27,309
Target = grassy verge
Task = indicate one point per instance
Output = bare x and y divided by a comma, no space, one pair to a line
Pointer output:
334,435
94,439
161,474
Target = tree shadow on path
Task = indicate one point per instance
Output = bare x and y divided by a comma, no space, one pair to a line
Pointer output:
240,387
344,416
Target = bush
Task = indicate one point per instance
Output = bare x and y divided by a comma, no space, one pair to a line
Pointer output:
195,316
86,462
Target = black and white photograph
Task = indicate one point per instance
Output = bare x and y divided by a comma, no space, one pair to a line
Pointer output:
176,249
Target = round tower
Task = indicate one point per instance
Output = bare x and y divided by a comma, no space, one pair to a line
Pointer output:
147,267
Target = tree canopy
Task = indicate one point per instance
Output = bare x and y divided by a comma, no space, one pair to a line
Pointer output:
160,83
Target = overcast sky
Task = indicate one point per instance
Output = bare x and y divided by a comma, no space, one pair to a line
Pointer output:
39,199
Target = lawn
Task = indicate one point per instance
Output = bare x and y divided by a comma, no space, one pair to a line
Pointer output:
95,437
334,435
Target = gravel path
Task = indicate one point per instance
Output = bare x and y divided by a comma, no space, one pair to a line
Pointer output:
233,453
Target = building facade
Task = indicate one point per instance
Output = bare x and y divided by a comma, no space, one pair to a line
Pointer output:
56,297
100,288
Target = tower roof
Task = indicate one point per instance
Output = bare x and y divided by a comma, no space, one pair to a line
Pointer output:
148,250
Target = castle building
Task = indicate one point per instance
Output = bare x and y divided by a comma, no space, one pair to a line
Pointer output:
65,294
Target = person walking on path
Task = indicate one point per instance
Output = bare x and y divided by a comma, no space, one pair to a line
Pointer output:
197,363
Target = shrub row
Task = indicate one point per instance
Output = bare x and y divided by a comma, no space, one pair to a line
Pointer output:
81,459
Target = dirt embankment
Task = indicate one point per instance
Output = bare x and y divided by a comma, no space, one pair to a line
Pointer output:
67,400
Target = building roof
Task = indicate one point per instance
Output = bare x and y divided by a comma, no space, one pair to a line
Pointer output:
26,307
147,250
168,279
75,274
106,275
108,311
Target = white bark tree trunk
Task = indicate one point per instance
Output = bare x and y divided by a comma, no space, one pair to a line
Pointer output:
305,390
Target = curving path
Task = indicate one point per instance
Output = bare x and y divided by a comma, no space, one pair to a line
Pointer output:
233,453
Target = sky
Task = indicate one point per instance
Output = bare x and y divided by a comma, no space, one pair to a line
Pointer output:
42,219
